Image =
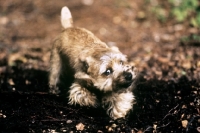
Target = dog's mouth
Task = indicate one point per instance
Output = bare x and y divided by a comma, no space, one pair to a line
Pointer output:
125,84
122,86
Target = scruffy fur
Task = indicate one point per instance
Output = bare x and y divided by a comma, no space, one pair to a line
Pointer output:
94,73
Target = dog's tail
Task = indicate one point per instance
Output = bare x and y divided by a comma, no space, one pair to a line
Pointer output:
66,17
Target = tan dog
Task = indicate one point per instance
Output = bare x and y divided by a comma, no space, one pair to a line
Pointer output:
99,75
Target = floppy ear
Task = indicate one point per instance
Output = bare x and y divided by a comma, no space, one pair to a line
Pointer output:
66,17
114,48
112,45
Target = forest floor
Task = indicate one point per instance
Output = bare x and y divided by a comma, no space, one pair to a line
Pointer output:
167,56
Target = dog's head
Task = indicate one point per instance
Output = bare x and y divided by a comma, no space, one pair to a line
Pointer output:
108,69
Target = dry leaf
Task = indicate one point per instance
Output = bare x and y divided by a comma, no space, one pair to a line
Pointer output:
80,126
184,123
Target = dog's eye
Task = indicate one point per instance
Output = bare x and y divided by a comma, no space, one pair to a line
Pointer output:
85,66
121,62
108,72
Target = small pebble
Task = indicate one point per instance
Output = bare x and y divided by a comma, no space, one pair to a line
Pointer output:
69,121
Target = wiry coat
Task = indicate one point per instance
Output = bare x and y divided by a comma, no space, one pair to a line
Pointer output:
95,73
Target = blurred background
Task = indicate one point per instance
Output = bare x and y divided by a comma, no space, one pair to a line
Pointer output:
161,38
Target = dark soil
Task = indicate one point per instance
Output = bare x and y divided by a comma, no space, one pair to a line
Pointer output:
167,55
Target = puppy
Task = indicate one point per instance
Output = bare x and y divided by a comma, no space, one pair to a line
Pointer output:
92,73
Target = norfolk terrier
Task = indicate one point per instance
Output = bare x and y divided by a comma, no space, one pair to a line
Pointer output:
97,74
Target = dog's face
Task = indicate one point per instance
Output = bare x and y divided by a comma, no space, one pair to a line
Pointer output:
109,69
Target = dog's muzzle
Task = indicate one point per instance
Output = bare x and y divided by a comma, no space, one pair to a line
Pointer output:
128,76
126,82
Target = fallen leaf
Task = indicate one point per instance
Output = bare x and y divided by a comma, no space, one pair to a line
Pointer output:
80,126
184,123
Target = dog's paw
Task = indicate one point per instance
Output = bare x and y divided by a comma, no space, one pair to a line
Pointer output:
118,105
54,89
80,95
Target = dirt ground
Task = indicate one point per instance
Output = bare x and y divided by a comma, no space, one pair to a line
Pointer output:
168,87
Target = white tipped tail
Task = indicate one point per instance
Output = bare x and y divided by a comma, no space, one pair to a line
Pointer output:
66,17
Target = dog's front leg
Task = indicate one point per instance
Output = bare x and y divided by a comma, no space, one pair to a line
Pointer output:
79,94
118,104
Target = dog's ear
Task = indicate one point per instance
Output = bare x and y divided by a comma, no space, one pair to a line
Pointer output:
114,48
66,17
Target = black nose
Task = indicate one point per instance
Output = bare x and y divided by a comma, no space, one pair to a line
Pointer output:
128,76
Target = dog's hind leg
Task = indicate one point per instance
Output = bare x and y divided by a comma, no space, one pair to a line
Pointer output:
55,70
